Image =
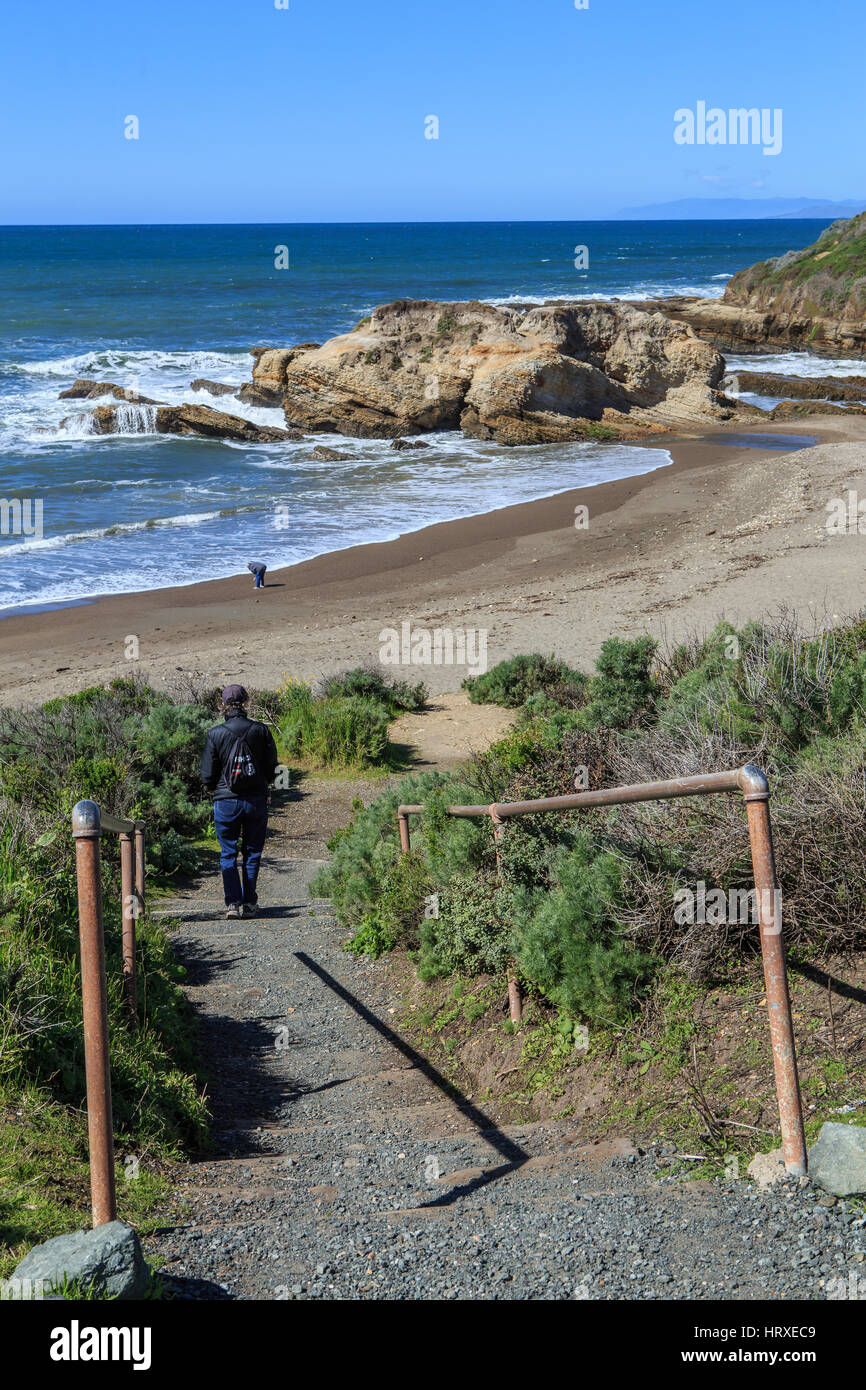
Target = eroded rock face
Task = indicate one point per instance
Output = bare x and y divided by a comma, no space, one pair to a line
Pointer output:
518,375
83,390
269,374
182,419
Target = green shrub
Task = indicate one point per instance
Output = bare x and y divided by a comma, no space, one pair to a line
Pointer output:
399,907
512,682
568,942
623,692
369,682
468,935
341,731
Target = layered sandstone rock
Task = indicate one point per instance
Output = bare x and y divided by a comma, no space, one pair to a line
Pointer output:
269,374
520,375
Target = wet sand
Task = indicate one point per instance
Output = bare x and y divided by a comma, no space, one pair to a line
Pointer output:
726,530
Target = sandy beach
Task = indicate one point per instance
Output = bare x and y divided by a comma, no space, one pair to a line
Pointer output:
727,530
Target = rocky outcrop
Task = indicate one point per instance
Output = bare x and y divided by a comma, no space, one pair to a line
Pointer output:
799,388
811,299
182,420
401,444
82,390
519,375
269,374
798,410
322,454
213,388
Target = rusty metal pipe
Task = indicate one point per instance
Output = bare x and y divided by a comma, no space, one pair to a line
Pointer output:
756,793
86,831
139,867
403,825
129,912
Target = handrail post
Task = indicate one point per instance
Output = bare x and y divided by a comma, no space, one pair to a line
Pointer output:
129,912
86,831
515,1002
757,796
139,867
403,826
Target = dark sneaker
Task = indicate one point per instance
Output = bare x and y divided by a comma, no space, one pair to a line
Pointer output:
236,910
251,909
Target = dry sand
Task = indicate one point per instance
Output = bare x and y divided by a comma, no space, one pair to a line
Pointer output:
725,531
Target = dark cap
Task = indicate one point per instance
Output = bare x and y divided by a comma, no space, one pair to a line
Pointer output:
234,695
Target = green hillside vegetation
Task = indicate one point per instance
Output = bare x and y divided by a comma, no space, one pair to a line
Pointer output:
826,279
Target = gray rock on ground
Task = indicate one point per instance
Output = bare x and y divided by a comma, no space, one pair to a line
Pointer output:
837,1159
107,1259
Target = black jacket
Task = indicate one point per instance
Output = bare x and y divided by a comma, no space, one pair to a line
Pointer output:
217,750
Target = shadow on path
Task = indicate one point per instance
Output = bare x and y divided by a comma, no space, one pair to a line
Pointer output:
514,1155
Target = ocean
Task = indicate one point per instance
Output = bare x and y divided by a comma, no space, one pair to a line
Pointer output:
153,308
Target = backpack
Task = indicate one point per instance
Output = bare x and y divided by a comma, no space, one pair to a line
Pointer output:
241,770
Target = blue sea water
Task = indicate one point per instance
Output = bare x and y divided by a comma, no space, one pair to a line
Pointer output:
155,307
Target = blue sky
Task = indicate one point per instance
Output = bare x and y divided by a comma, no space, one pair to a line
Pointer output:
249,113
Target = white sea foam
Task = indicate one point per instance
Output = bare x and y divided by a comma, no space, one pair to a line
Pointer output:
804,364
121,528
653,290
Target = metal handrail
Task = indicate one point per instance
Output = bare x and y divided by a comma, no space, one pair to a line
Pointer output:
752,782
89,824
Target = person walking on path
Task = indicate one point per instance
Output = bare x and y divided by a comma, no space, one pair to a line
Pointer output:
237,768
257,570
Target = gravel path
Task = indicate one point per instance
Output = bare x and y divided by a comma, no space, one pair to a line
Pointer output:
346,1167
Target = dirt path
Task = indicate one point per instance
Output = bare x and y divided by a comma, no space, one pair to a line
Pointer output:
345,1166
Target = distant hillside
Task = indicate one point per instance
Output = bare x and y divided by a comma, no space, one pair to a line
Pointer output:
734,208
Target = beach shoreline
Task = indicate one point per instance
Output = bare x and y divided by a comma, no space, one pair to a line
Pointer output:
524,573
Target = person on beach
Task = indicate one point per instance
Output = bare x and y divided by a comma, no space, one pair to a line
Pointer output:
237,768
257,570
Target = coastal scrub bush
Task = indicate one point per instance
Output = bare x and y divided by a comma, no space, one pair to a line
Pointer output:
512,682
364,851
338,731
371,683
568,941
398,908
467,935
623,691
128,747
586,900
344,723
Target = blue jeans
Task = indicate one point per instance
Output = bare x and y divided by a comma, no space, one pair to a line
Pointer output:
260,580
237,819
